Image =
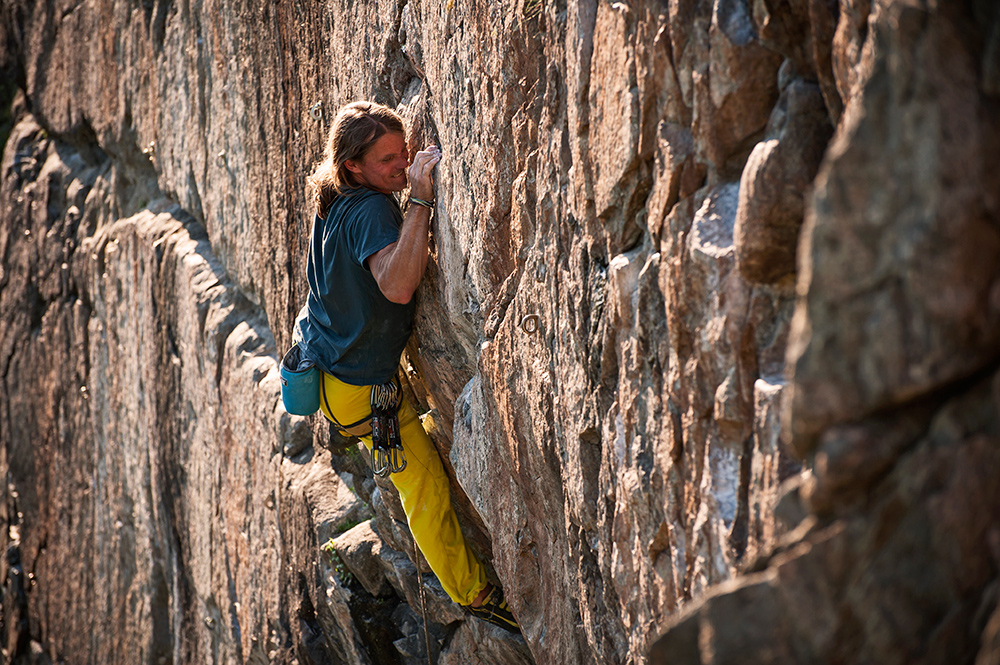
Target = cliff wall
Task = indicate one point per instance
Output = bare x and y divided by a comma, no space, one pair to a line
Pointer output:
682,250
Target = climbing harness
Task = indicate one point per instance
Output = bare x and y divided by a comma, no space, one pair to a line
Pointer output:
356,429
387,448
383,425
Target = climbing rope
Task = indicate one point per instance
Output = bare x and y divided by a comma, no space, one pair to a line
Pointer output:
423,602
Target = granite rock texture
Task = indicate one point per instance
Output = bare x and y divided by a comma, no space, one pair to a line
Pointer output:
894,391
658,291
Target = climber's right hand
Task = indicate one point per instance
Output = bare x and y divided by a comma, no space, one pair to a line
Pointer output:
421,172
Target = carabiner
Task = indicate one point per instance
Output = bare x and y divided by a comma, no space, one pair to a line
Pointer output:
381,462
387,447
397,459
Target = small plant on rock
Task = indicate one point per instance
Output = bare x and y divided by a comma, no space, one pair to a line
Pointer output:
344,574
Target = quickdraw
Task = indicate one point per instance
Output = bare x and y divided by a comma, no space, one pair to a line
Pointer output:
387,447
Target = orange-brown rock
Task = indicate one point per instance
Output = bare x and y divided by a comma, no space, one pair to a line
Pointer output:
624,369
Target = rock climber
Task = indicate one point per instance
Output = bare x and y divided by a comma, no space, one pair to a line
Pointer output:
366,259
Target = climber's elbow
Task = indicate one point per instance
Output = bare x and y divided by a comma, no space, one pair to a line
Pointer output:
397,294
397,278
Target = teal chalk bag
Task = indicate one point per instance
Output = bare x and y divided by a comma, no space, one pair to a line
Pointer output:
299,383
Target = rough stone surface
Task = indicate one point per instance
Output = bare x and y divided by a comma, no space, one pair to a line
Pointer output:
893,390
897,277
360,549
605,345
775,180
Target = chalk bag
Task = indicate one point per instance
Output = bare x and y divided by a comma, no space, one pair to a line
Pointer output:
300,379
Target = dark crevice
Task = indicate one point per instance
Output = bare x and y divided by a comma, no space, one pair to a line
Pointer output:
600,595
372,616
196,209
8,90
234,617
937,396
591,453
158,26
161,638
15,617
739,533
313,644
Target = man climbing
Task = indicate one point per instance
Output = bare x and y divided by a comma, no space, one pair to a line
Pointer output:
366,259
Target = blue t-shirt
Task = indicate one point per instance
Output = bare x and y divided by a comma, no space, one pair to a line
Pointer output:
348,327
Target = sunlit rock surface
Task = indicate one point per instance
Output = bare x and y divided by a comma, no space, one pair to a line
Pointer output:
711,385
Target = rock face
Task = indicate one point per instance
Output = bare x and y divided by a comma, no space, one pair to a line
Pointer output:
622,361
894,389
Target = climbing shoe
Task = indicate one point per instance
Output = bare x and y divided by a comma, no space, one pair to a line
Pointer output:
495,610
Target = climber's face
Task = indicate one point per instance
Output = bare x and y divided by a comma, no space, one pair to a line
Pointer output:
383,167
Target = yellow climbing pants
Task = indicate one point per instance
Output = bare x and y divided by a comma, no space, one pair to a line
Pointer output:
423,490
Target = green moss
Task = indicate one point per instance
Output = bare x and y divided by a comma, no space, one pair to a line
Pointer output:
348,525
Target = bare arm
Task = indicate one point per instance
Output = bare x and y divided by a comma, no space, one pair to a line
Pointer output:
398,267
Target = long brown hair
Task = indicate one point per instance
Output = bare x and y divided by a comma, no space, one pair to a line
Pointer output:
355,129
